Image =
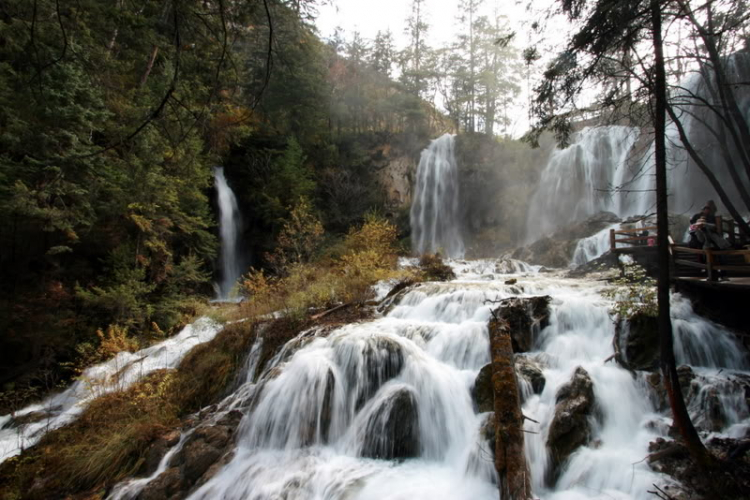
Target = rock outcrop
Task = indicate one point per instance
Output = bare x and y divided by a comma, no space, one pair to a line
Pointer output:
638,338
557,250
531,372
393,429
571,425
483,392
526,316
202,454
383,360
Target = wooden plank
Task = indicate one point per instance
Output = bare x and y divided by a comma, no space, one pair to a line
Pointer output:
742,269
690,250
635,238
690,263
636,230
715,252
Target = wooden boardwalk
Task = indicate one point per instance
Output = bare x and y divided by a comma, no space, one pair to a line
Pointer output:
717,269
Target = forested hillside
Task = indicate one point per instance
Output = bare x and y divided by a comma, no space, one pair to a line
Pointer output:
112,117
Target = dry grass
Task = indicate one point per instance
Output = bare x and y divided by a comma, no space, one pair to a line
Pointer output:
109,440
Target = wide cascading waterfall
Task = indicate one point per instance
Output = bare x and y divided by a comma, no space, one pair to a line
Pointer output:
229,228
580,180
435,218
603,170
382,409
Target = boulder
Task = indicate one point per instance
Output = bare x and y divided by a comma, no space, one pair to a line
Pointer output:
483,393
316,428
571,425
487,433
525,316
392,431
530,371
207,446
169,485
383,360
639,341
204,447
158,449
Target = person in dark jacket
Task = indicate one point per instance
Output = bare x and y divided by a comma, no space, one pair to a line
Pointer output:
703,230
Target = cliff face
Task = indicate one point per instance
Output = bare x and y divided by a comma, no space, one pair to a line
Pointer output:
395,173
498,177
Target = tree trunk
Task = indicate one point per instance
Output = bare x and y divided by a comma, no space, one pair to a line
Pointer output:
149,66
510,459
667,361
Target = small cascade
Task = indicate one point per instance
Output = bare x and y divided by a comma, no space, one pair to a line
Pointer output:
435,218
229,228
117,374
588,249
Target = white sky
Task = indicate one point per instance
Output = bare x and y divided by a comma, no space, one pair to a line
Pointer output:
370,16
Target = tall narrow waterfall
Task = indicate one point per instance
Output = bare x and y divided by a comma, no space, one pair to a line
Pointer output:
435,221
229,227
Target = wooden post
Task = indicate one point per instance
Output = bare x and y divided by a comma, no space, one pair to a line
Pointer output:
730,230
612,243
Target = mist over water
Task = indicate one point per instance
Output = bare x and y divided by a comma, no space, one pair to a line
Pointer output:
229,228
435,218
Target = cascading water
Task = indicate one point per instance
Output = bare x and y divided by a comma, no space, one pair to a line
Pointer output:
229,228
435,218
116,374
382,409
603,170
580,180
590,248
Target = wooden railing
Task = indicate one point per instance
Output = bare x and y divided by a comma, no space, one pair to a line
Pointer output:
631,241
711,261
729,228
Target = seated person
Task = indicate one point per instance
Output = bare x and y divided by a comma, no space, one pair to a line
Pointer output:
703,231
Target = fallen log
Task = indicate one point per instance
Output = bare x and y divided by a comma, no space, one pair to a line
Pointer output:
510,459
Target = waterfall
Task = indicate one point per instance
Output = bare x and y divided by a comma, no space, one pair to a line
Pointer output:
580,180
382,409
603,170
229,227
435,218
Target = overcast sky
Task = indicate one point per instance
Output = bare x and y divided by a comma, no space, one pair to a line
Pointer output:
370,16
